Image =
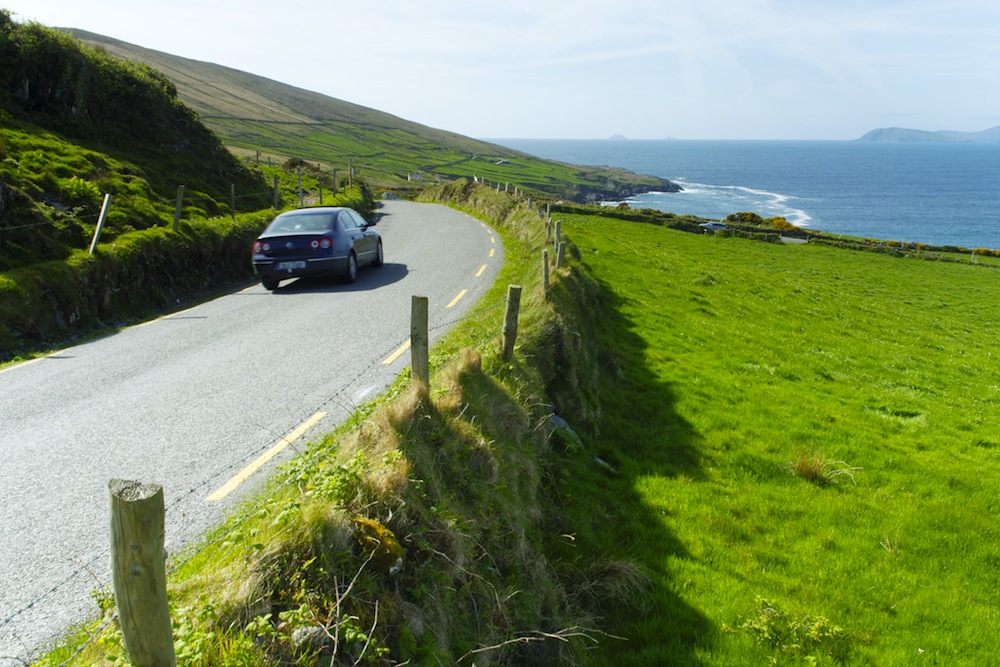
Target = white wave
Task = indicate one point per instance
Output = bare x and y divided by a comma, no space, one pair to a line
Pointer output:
717,201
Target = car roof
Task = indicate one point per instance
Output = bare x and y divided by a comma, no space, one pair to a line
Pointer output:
316,209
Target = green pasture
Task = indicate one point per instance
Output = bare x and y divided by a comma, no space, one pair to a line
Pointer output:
800,445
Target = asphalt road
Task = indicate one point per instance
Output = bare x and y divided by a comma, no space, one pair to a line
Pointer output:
189,400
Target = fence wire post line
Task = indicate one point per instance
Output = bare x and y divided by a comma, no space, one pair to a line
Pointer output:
177,208
419,340
138,570
545,271
83,645
70,577
100,223
509,335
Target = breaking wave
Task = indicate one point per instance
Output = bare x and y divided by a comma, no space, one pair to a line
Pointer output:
717,201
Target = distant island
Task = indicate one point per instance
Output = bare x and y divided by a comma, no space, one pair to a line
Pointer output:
904,135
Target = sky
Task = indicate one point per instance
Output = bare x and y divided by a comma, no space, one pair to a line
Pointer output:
591,69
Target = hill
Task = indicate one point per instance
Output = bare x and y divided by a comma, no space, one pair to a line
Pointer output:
262,118
76,124
900,135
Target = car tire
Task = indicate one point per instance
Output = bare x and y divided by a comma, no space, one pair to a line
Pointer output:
379,258
352,268
270,285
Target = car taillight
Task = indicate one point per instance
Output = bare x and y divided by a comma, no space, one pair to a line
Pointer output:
314,244
325,243
257,247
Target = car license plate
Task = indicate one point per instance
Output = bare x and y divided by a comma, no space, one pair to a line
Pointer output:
291,266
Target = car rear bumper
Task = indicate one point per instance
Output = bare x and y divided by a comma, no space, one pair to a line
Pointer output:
281,269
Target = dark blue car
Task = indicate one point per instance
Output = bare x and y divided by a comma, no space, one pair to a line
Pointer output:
321,241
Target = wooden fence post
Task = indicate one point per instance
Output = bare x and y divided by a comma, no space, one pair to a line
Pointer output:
557,242
100,222
275,193
419,341
545,271
299,172
138,570
509,334
232,199
177,207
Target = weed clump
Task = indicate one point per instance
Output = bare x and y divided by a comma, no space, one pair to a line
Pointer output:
817,469
810,637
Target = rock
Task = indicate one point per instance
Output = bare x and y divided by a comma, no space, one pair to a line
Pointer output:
379,543
314,638
565,432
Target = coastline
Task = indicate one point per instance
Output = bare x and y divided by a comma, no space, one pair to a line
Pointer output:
940,194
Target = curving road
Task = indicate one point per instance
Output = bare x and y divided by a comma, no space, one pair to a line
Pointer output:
190,400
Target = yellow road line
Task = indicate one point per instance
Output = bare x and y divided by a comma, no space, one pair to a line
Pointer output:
457,299
493,239
398,353
244,474
493,251
481,271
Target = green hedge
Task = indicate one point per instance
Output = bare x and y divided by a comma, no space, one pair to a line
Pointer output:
136,275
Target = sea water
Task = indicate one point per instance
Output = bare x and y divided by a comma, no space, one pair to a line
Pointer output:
933,193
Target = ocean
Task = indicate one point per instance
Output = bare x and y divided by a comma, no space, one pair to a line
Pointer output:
933,193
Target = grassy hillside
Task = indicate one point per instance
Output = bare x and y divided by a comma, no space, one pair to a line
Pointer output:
801,448
261,118
77,124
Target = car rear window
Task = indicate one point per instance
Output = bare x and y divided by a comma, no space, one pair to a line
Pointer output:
301,223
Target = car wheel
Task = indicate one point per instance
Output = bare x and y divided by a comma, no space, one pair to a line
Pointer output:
352,268
270,285
379,259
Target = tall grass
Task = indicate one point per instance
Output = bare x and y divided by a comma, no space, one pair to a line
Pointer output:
732,364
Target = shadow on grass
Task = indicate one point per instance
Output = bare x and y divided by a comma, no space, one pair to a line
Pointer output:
635,437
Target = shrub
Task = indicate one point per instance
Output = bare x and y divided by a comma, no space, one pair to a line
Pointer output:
807,636
745,218
779,222
79,192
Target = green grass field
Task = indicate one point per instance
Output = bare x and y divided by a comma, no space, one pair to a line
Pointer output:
804,447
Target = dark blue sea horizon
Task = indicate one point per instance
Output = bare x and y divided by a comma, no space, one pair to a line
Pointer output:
934,193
